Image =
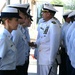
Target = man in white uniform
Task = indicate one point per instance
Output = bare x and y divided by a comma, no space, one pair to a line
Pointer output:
48,40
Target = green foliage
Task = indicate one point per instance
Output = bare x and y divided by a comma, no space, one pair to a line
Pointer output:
68,4
57,2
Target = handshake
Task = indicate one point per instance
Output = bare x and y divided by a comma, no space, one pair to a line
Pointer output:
32,44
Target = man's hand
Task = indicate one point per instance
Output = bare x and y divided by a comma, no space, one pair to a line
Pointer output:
32,44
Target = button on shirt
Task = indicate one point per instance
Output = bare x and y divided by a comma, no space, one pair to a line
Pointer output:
7,52
48,42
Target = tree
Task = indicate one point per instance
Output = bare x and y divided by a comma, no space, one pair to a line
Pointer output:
67,4
56,2
70,5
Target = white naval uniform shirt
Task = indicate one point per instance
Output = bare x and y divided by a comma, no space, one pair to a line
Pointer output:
20,42
68,35
72,54
64,30
41,21
71,39
7,52
48,42
72,48
26,34
36,49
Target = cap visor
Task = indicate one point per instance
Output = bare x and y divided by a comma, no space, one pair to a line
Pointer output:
11,15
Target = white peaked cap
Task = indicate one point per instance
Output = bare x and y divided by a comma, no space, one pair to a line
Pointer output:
49,6
72,14
67,13
20,5
10,12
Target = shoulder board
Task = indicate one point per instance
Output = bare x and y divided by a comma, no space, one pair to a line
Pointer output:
53,22
55,18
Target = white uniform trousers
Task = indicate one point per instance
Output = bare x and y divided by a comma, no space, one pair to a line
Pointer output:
44,69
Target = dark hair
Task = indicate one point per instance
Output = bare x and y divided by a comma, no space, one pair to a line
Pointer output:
65,17
23,10
72,18
3,19
52,11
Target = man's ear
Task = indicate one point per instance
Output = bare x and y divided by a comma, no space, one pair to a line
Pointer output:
7,20
49,14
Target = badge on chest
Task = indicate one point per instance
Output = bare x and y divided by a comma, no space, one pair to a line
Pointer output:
46,30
